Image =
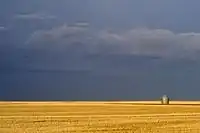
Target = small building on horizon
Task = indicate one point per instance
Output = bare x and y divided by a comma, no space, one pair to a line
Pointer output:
165,100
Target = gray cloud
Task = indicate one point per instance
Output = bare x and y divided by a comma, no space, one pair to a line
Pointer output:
2,28
138,41
36,16
58,38
82,24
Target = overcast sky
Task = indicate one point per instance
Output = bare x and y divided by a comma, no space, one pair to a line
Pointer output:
99,49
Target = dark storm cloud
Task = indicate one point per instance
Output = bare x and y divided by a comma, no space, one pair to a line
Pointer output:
22,25
103,51
113,13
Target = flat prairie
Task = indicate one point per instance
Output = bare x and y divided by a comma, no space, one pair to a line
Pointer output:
100,117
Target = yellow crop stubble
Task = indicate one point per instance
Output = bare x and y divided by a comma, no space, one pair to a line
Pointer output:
99,117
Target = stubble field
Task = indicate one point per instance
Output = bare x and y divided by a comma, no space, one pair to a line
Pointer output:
99,117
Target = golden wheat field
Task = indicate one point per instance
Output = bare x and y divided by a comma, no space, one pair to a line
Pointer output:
99,117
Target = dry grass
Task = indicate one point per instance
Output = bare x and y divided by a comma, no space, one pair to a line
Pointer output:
102,117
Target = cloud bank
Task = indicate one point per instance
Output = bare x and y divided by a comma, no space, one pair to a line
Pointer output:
137,41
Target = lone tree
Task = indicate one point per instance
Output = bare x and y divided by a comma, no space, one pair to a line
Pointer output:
165,100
